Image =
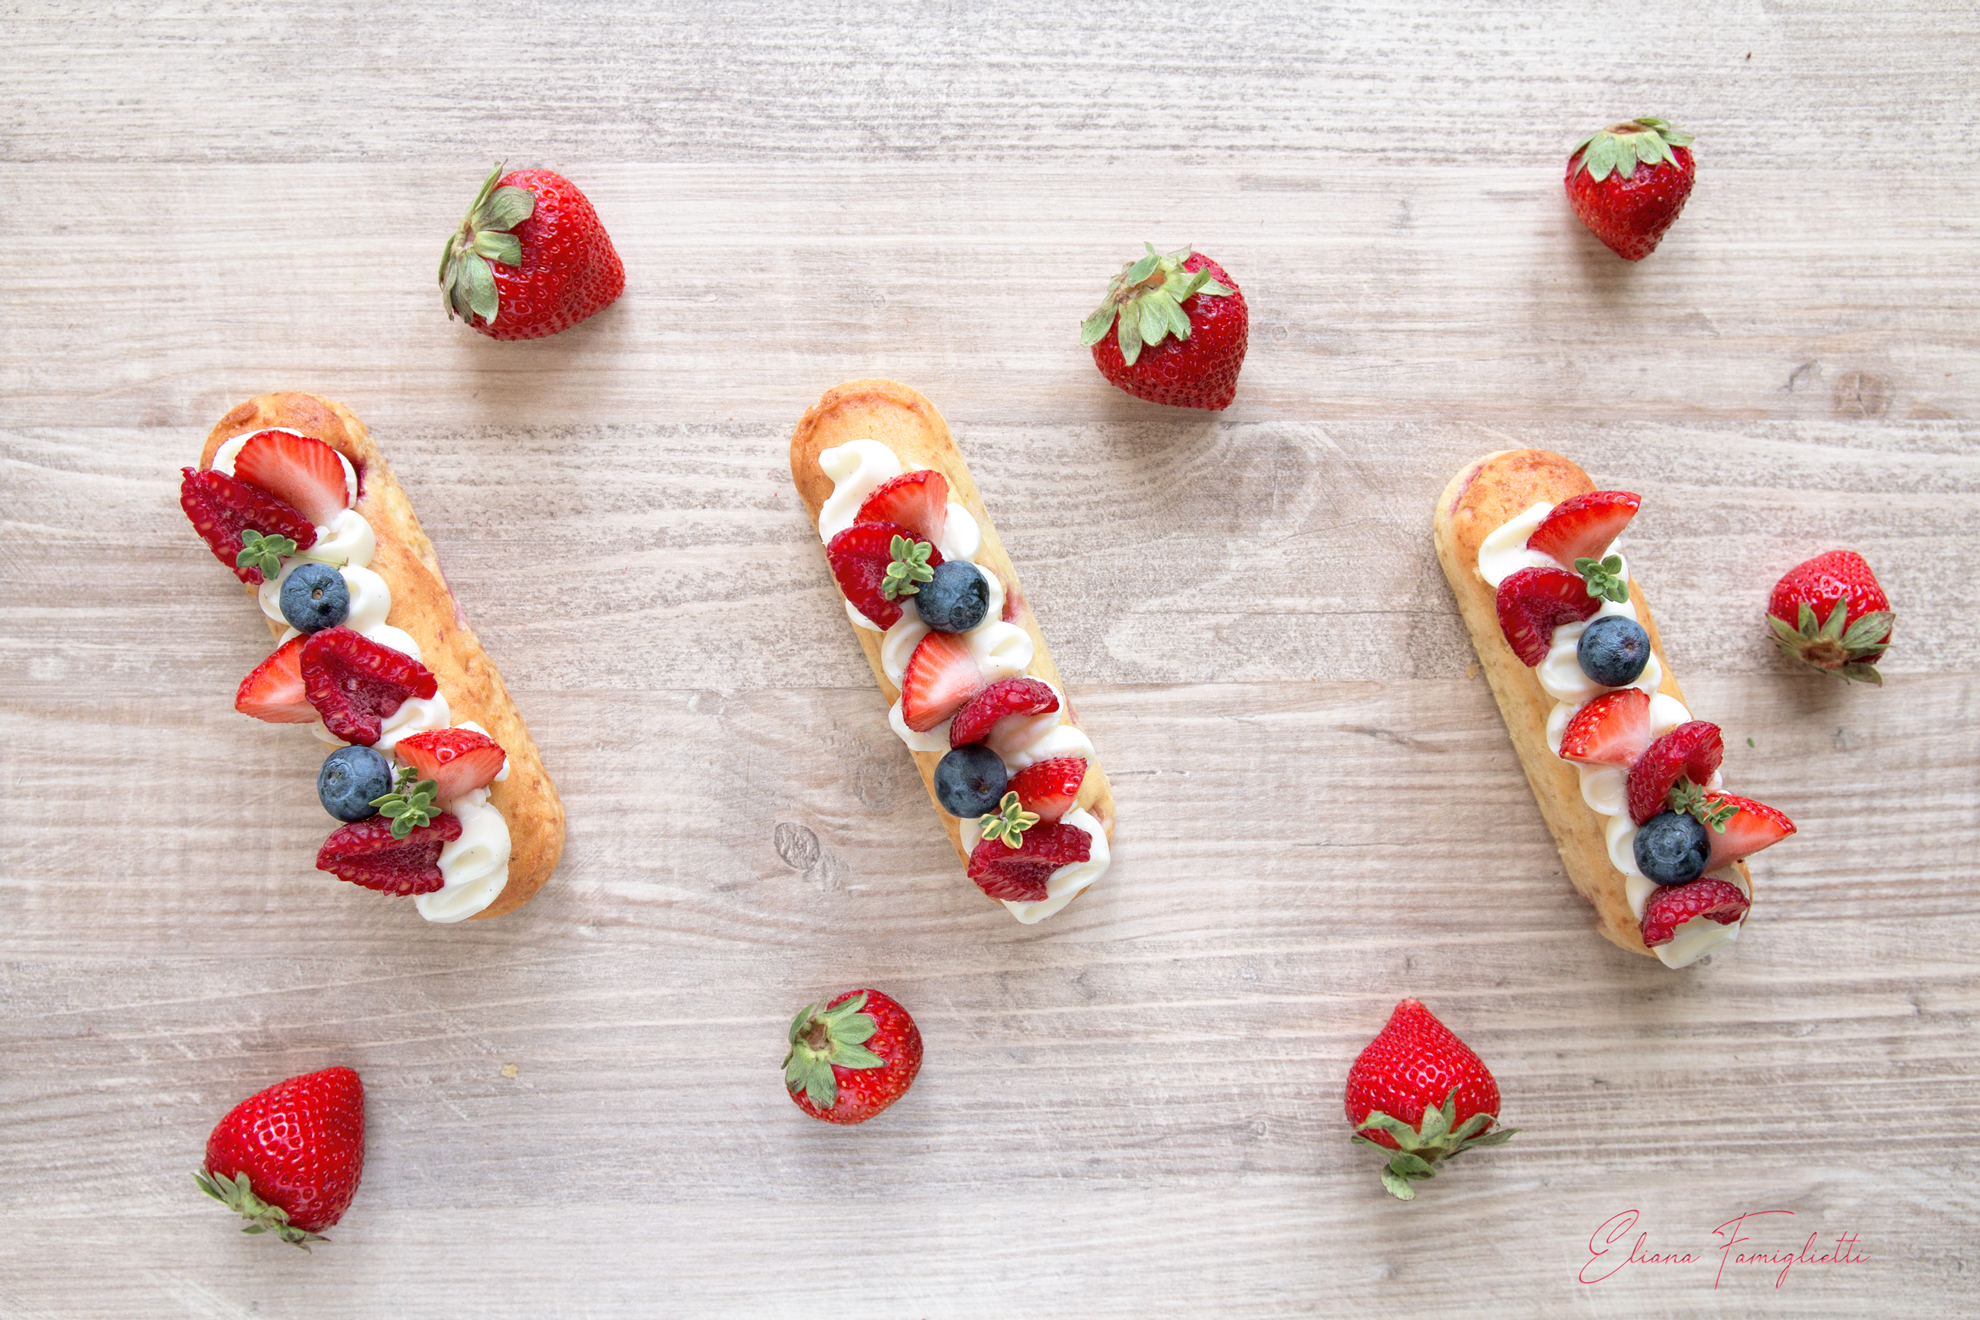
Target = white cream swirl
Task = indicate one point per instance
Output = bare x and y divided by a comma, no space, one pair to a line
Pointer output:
1604,787
1068,880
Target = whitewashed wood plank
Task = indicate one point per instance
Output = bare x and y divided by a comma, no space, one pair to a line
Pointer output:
1461,292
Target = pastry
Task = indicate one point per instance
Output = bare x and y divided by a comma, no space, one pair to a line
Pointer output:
938,610
1628,782
441,790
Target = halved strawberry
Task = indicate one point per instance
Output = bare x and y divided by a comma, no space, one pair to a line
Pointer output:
918,501
356,684
1048,788
1613,729
1754,826
1673,905
860,556
1007,696
1019,874
298,470
1535,601
941,675
274,691
365,853
1582,527
221,508
457,760
1692,751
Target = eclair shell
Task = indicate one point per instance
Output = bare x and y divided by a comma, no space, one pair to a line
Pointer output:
907,423
424,606
1484,497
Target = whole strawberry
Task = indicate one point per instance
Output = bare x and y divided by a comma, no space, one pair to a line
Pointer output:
1419,1092
1628,182
1830,613
530,259
288,1158
852,1059
1180,330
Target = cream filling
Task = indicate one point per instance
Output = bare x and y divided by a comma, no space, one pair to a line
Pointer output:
475,867
1604,787
1002,650
1063,883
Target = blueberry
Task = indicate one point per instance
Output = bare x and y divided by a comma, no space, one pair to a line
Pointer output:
957,599
1614,650
315,597
1671,848
350,778
970,781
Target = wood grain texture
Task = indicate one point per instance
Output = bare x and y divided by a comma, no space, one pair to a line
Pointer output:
1133,1109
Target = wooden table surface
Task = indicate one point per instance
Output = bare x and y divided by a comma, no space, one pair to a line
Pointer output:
1133,1109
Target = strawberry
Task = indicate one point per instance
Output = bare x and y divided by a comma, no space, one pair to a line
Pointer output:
1751,827
1020,874
1673,905
1613,729
1829,613
941,675
368,853
1628,182
1535,601
879,564
1582,527
1048,788
302,472
1006,696
918,501
357,684
457,760
288,1158
1180,330
1420,1092
1691,751
274,691
853,1059
241,524
530,259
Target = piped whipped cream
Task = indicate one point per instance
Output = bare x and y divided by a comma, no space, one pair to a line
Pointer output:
1605,787
475,867
1002,650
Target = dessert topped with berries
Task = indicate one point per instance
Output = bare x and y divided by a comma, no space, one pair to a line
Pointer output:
330,550
936,605
1630,783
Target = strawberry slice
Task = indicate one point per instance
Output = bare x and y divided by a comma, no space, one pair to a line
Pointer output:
1048,788
860,556
1671,906
300,471
1582,527
1007,696
1613,729
1691,751
1020,874
457,760
356,684
1754,826
222,508
365,853
918,501
1535,601
274,691
941,675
